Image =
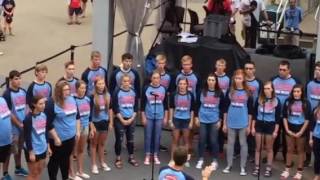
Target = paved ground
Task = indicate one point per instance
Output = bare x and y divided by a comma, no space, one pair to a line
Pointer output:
41,31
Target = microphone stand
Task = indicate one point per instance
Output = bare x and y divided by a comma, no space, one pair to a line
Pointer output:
153,133
261,140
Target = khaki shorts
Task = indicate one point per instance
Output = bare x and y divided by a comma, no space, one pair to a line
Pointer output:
84,131
17,143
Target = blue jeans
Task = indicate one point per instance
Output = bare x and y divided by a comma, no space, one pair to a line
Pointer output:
152,145
209,134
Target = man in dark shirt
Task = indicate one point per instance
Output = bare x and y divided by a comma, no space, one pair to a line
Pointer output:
175,170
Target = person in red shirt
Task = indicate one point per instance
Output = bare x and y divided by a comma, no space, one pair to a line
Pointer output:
221,7
74,9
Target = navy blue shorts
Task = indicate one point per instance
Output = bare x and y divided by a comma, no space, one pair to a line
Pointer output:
76,11
181,124
101,126
265,127
5,152
38,156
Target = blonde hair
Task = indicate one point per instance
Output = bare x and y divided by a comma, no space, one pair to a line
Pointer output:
221,61
186,58
95,54
40,67
161,57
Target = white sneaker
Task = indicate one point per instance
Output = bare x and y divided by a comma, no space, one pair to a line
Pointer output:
1,53
199,164
187,164
243,172
95,169
171,163
227,170
214,165
83,175
75,177
105,167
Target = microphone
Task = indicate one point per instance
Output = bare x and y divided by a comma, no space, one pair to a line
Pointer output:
154,94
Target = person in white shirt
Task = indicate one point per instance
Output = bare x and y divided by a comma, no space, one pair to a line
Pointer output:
251,9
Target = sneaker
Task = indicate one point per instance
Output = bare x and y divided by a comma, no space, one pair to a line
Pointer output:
83,175
1,53
6,177
95,169
227,170
187,164
243,172
156,160
285,174
163,148
21,172
146,160
105,167
199,164
214,165
171,163
75,177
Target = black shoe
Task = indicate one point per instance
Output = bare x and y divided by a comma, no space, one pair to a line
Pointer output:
163,148
306,163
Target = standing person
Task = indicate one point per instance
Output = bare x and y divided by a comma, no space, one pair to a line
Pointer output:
314,141
251,11
36,145
220,7
15,97
166,80
64,124
293,17
102,119
265,126
154,114
5,136
93,71
237,119
254,85
165,77
39,87
125,107
74,8
283,84
211,102
235,5
224,84
8,10
313,95
296,116
125,68
69,68
83,105
83,8
182,107
194,86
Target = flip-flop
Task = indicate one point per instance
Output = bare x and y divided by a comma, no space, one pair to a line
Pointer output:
133,162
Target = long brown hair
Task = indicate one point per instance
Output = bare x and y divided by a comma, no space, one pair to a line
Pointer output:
291,99
262,95
96,97
58,92
244,83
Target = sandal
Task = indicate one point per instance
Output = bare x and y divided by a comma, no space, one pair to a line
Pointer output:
118,164
268,172
133,162
297,176
255,171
